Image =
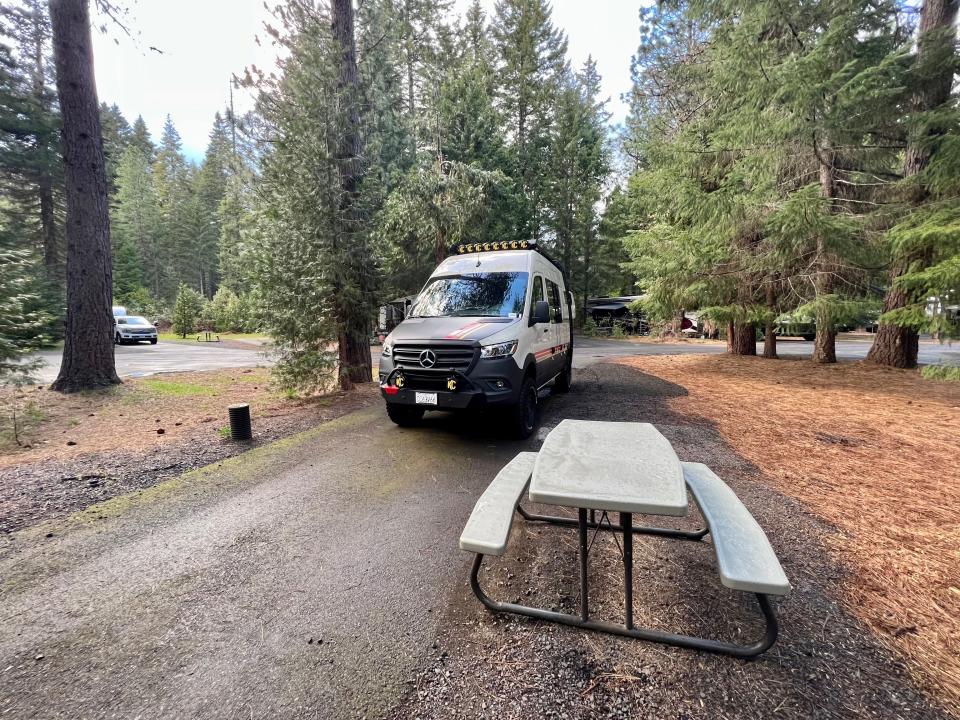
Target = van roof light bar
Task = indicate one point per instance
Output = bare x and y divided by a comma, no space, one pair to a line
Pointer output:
465,248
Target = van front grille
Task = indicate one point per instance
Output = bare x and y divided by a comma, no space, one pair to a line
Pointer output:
458,357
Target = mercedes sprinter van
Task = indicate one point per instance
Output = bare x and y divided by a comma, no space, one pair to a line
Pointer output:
491,327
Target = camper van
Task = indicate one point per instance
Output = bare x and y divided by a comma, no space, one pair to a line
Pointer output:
491,327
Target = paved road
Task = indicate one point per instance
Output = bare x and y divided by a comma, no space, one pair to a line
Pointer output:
140,360
144,359
850,347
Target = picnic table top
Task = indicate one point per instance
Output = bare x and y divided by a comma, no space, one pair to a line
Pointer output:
618,466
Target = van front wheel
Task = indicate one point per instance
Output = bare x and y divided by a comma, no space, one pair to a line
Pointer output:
523,415
405,415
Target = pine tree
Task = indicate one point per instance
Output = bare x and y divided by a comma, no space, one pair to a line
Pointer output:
532,63
418,25
926,244
172,180
88,348
31,167
136,219
766,181
313,266
186,311
116,135
140,137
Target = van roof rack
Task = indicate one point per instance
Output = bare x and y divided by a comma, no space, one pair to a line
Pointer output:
467,248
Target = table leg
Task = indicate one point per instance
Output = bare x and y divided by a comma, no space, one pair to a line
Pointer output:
626,522
584,603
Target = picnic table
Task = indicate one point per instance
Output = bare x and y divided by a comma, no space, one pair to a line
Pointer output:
625,468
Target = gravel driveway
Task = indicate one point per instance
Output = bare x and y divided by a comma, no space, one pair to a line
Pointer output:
319,577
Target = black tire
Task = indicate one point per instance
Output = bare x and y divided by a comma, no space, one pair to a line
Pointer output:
117,340
565,379
405,415
523,416
809,337
153,341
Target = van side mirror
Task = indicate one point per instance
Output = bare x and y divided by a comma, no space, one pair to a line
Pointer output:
541,312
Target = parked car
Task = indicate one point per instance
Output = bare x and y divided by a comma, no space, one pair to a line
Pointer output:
489,329
133,329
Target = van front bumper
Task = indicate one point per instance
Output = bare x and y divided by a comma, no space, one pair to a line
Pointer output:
490,382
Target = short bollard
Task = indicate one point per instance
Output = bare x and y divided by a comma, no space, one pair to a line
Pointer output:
240,428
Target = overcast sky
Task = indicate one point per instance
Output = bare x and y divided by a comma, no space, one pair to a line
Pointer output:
204,41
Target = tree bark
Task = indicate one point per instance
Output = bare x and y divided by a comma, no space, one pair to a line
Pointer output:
769,328
48,225
731,335
744,339
824,346
353,321
88,346
894,345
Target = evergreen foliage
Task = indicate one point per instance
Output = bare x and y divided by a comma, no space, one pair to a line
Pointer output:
187,311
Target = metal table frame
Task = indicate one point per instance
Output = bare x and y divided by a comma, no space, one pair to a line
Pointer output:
628,629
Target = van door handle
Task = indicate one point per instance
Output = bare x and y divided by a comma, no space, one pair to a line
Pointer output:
546,329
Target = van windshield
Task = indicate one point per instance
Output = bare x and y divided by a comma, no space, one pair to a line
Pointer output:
489,294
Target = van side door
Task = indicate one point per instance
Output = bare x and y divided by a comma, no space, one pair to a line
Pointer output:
542,334
558,317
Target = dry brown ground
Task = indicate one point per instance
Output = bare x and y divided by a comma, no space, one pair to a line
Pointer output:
875,452
85,448
132,415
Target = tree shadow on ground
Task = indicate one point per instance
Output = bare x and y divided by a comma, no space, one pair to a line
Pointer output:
825,664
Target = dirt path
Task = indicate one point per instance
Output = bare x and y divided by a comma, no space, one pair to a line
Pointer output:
319,577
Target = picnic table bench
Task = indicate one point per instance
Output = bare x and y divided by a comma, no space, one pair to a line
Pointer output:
625,468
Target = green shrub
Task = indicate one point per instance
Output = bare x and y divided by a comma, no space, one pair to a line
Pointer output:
187,311
617,331
589,327
941,372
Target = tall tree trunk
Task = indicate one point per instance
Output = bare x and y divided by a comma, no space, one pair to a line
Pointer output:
744,339
824,346
88,345
48,225
353,321
894,345
411,92
586,273
769,328
731,337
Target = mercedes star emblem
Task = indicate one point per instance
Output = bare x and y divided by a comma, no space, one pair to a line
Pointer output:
428,358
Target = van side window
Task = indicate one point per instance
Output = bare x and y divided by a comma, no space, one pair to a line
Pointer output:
556,307
537,293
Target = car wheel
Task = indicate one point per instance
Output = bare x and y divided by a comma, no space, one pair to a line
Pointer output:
523,415
565,379
153,341
404,415
117,340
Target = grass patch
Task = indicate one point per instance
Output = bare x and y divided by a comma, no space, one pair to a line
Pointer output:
192,337
941,372
176,388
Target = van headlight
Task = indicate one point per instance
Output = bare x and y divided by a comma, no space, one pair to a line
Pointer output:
499,350
387,349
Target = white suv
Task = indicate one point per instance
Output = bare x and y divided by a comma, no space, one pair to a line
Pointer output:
133,328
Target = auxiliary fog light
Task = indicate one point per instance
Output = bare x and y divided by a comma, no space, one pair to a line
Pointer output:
399,381
451,384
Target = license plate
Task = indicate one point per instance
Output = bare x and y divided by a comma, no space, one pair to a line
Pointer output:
426,398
